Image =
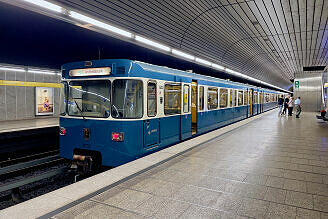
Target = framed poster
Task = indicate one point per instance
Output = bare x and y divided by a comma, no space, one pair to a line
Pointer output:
44,100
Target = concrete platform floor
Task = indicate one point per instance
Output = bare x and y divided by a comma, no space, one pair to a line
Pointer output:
26,124
274,167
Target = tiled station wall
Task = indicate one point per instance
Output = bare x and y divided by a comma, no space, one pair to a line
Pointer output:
18,102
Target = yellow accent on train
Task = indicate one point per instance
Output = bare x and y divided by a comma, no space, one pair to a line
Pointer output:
29,84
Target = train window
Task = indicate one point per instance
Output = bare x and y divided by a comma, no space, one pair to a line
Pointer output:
201,98
89,98
255,98
172,99
186,98
240,98
223,97
245,97
212,98
63,98
151,99
127,99
231,97
235,98
267,98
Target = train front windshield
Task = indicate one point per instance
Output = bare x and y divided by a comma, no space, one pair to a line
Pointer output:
89,98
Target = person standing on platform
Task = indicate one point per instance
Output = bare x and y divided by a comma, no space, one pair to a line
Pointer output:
298,107
290,106
285,105
280,104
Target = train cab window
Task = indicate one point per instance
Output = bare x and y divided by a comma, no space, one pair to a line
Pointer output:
63,98
172,99
235,98
186,98
212,98
223,97
245,97
89,98
240,98
201,98
151,99
127,99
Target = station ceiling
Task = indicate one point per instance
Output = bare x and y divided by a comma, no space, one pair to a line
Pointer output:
271,40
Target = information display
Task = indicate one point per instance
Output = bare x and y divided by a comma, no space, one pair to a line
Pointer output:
90,72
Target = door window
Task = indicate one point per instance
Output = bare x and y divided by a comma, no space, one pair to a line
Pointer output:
201,98
151,99
185,98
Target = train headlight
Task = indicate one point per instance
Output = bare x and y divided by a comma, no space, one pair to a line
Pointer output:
62,131
117,136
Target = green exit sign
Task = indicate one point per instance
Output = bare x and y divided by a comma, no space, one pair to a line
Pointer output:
297,84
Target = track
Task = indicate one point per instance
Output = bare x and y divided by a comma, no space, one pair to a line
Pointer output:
31,176
14,145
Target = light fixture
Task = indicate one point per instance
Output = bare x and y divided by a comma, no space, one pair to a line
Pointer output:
100,24
182,54
152,43
12,69
203,61
42,72
46,5
217,66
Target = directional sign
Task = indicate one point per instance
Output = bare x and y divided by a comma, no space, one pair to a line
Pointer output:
297,84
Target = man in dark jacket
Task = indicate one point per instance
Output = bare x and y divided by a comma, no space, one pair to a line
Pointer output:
285,105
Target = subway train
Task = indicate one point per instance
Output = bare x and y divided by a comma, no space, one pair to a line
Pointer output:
115,110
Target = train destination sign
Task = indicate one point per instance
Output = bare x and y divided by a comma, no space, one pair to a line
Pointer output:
90,71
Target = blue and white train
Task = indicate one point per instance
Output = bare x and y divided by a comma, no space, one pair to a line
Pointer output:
116,110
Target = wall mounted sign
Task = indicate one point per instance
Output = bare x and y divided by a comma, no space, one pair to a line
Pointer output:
44,101
297,84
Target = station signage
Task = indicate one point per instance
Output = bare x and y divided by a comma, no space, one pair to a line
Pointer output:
297,84
90,72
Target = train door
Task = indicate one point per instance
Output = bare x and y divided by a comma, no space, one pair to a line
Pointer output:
151,125
251,102
194,107
185,118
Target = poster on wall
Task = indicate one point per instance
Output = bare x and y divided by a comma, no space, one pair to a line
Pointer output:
44,98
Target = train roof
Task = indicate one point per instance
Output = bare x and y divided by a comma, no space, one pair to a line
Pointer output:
163,70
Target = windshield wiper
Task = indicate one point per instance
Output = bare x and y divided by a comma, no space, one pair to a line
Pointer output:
78,107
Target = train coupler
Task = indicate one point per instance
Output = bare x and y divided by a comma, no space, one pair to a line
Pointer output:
82,164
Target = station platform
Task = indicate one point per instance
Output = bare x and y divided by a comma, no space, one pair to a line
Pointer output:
28,124
263,167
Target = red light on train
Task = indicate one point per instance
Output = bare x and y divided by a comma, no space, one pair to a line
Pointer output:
117,136
62,131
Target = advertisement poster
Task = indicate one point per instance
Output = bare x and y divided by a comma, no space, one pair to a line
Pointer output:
44,97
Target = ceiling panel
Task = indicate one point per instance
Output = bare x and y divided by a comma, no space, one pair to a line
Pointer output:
267,39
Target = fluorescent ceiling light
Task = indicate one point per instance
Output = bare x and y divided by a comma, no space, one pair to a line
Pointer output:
46,5
217,66
42,72
12,69
100,24
152,43
182,54
203,61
